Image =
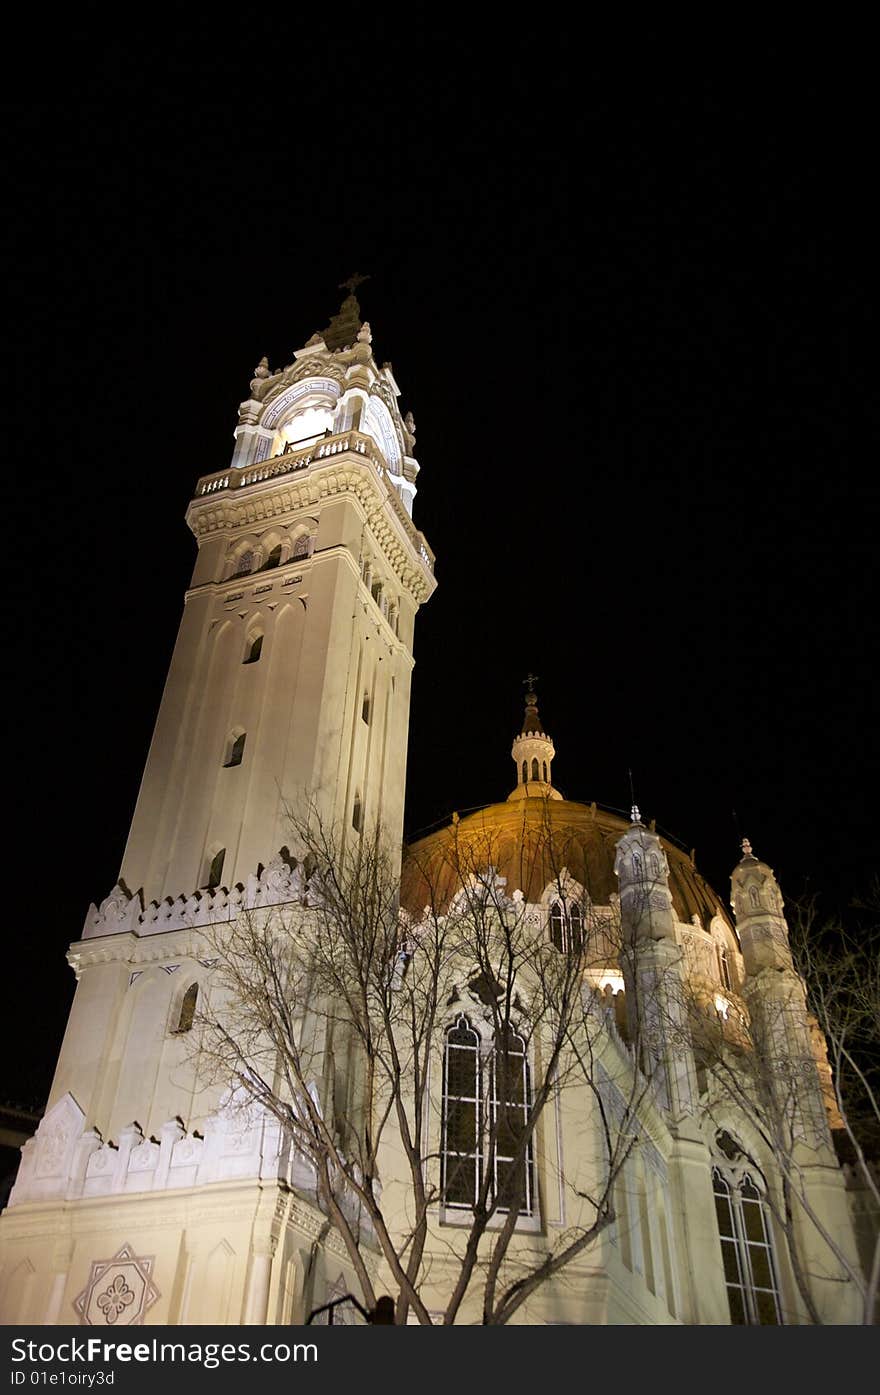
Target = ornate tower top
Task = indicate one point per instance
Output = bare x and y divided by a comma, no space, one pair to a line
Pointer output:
758,907
533,752
345,326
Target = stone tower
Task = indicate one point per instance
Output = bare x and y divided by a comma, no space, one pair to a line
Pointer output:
288,689
290,679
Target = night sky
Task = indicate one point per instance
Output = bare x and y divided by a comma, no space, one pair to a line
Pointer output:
632,306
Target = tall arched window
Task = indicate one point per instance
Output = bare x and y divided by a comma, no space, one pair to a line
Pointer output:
557,925
575,928
357,814
486,1104
724,967
536,775
525,771
509,1103
462,1116
746,1242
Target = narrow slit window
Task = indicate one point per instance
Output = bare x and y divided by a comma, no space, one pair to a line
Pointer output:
254,649
236,750
215,869
187,1013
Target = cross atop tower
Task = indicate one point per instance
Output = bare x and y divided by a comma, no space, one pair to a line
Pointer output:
352,283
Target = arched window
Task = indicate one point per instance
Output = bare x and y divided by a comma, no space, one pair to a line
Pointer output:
357,817
746,1243
253,648
187,1012
486,1106
274,558
525,771
365,709
575,929
301,546
637,867
215,869
724,967
509,1104
462,1116
557,925
544,765
754,897
235,750
535,771
376,591
567,927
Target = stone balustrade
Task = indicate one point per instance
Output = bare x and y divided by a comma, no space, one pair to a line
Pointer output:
292,461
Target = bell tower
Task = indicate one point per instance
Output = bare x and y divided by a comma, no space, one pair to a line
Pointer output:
290,678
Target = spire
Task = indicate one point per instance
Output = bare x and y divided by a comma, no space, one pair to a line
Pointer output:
533,752
532,721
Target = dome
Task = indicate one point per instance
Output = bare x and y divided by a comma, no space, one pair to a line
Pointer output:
529,842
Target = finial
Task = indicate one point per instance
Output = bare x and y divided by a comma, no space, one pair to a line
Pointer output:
747,848
365,334
352,283
529,682
262,368
635,816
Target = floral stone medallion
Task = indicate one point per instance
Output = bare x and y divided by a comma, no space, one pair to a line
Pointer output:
119,1291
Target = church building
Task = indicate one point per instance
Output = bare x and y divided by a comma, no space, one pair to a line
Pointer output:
152,1195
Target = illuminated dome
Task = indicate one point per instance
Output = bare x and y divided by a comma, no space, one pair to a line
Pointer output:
530,841
535,834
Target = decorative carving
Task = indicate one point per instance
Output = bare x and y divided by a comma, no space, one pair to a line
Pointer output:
120,1291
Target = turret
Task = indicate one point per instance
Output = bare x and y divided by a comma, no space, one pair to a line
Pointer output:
533,753
757,905
653,966
643,876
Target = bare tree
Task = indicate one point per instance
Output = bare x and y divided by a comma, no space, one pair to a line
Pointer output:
413,1058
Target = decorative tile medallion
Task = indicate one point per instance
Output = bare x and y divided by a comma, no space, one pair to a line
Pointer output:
119,1291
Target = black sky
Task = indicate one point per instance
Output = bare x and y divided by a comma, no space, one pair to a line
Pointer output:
631,302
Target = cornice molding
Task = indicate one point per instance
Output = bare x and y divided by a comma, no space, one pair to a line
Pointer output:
273,498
